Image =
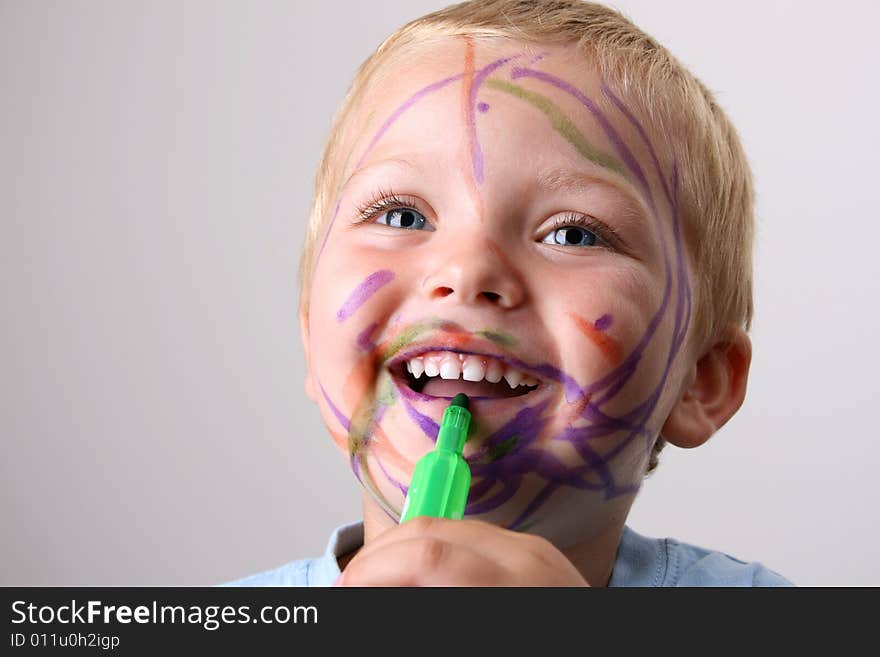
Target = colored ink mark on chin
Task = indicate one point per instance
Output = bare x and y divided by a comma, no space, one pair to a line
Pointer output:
499,451
609,347
483,107
428,426
363,292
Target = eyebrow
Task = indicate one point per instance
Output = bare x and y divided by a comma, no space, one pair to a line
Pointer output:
572,180
400,162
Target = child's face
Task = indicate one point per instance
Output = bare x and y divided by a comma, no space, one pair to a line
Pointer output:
502,214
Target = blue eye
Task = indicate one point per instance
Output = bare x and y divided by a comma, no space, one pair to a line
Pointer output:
571,236
403,218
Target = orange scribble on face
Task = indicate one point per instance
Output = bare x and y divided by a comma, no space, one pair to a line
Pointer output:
470,126
609,347
359,378
385,451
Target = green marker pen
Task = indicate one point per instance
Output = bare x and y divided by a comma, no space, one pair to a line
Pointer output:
442,479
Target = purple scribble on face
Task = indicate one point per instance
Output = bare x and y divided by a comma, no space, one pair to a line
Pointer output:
344,421
537,58
365,337
394,482
483,107
479,79
364,291
603,323
428,426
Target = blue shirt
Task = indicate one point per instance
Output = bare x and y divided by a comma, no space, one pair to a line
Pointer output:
641,561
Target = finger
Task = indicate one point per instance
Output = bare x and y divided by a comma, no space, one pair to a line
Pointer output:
421,561
477,535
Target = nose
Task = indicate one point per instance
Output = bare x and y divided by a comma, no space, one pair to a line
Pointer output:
481,274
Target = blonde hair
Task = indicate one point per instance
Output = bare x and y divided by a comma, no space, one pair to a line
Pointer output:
716,197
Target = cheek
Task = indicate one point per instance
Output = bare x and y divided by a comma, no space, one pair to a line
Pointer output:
602,317
348,309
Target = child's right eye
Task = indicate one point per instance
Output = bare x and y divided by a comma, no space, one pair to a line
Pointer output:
388,209
403,218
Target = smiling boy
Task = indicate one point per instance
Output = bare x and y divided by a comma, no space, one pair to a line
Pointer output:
534,204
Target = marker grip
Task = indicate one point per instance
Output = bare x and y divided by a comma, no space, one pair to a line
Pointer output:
442,479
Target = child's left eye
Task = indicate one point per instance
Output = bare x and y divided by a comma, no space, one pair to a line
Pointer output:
579,230
571,236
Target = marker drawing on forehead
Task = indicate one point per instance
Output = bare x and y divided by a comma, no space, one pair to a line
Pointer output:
619,144
606,90
473,154
473,82
363,292
561,124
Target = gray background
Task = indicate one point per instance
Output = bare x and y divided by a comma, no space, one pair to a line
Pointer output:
156,163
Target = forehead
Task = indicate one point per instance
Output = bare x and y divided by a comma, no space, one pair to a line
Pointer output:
441,95
457,70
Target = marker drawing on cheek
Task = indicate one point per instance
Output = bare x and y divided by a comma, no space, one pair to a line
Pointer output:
344,421
363,292
365,337
604,323
609,347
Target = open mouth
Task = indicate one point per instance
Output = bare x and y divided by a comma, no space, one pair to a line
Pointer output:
447,373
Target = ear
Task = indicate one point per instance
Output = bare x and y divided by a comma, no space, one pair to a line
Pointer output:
714,391
304,336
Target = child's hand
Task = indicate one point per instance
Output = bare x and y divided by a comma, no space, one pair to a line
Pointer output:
437,552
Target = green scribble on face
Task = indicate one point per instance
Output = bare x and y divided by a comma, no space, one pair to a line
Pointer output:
503,339
357,440
561,124
404,339
386,393
503,448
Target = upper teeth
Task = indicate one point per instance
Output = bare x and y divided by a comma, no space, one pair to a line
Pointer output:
449,365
